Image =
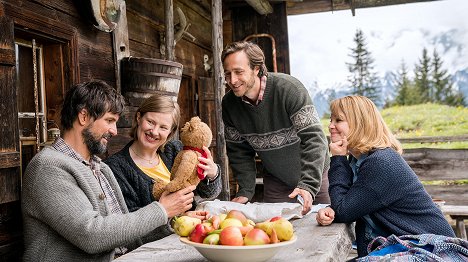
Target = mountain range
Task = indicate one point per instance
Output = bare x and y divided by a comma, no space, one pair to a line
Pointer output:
322,97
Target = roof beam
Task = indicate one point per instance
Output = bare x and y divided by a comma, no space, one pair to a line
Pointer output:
262,7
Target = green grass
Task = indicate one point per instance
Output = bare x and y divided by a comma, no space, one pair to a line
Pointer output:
425,120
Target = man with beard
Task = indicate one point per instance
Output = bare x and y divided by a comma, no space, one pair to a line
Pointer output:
272,115
73,208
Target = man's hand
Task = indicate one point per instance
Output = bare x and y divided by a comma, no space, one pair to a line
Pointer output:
240,199
178,202
202,215
325,216
307,205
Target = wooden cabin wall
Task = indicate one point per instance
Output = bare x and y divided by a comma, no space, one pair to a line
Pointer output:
146,29
85,53
242,21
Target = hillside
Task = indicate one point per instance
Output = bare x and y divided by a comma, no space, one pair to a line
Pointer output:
425,120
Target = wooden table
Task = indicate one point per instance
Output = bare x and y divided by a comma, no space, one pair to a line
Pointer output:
459,214
314,243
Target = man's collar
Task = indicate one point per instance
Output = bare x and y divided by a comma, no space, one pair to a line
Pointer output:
260,93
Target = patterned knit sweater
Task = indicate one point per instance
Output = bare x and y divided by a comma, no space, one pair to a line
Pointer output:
66,220
389,191
137,187
284,130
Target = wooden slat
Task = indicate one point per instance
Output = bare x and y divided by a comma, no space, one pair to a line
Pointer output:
9,159
438,164
434,139
452,195
9,185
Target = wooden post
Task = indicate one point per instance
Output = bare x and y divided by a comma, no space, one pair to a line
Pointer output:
121,43
169,21
218,75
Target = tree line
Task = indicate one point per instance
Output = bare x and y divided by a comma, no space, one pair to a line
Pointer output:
431,82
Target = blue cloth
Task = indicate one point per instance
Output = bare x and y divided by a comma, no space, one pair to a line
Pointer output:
425,247
389,192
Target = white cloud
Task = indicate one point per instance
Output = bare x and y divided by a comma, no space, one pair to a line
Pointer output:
319,43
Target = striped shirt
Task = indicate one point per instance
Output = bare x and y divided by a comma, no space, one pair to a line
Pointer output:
263,80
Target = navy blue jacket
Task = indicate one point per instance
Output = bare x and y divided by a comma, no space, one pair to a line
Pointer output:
389,191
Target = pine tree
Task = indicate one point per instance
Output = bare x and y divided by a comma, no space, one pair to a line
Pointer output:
422,81
443,86
405,92
363,79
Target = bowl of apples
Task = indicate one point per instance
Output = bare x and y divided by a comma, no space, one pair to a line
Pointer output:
233,237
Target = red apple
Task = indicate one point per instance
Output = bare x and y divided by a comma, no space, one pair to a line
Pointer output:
198,233
256,237
273,219
231,236
237,215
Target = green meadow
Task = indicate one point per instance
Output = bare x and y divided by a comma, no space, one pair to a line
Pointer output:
425,120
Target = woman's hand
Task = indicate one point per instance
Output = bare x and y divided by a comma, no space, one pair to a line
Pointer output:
202,215
325,216
178,202
210,169
339,147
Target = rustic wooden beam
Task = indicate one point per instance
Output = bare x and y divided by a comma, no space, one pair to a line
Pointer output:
262,7
317,6
218,78
120,43
169,21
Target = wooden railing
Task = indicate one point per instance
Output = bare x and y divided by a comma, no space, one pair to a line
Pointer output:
434,139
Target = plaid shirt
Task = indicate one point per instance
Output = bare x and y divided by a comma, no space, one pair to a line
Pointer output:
95,166
263,80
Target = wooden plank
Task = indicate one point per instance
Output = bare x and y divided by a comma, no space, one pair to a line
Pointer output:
9,184
438,164
455,210
452,195
218,84
207,106
434,139
9,159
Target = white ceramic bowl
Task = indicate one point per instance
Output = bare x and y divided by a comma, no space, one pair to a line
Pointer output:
220,253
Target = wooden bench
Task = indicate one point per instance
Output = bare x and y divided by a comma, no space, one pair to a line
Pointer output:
459,214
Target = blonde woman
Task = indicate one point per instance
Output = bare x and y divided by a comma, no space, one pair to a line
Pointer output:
370,182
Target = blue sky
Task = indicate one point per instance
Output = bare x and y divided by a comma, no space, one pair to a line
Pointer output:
319,43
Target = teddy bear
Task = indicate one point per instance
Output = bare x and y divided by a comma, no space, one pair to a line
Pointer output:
194,135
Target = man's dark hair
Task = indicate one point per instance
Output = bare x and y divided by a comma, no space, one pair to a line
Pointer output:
96,96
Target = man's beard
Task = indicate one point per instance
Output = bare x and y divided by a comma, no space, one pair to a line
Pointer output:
94,145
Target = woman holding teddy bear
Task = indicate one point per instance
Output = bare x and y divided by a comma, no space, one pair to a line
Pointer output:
147,160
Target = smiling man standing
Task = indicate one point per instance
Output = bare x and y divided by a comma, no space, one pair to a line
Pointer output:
272,115
73,209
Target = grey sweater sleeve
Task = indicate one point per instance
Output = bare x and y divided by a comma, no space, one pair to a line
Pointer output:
62,194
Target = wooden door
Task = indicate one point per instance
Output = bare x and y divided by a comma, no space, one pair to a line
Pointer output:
10,180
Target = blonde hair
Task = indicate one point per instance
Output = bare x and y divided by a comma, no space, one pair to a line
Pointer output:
158,104
367,129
